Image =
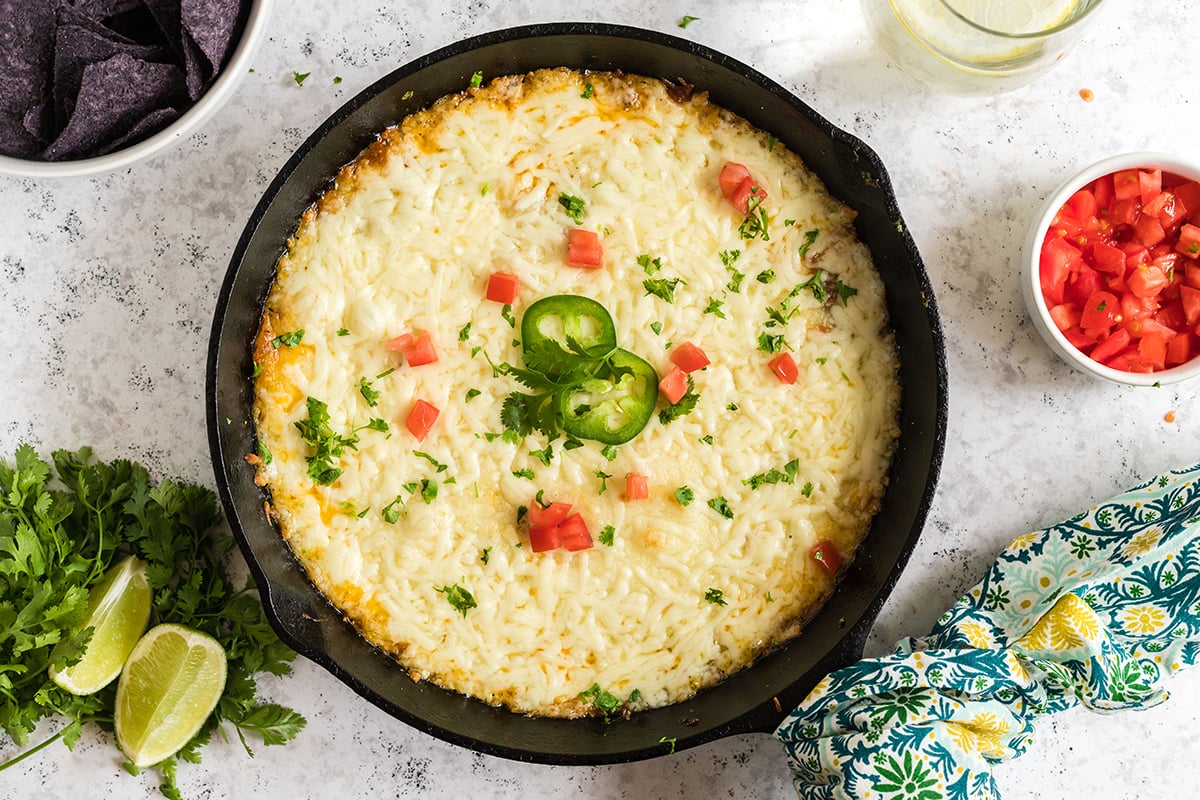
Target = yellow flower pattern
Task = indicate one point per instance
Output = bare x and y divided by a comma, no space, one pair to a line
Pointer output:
1069,625
1144,619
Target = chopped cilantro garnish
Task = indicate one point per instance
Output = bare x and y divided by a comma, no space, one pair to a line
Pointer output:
506,313
573,206
650,265
300,77
391,513
770,143
458,597
606,535
684,495
523,473
609,452
728,257
603,476
258,370
429,490
601,700
731,407
845,292
716,597
264,455
407,95
766,276
471,395
771,343
721,506
809,238
588,91
815,283
663,287
544,455
437,464
289,339
464,332
327,445
684,406
485,555
368,392
477,80
343,332
788,475
686,20
706,439
808,489
337,78
483,190
714,307
755,225
656,327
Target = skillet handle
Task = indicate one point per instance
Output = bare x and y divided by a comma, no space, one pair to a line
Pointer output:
765,717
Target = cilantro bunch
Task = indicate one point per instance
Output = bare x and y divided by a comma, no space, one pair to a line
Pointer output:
57,540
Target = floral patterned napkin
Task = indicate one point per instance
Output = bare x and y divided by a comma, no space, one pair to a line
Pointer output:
1095,611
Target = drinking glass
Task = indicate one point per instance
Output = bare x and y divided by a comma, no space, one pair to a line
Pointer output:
977,46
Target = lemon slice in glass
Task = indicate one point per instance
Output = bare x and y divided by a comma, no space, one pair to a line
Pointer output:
117,611
171,683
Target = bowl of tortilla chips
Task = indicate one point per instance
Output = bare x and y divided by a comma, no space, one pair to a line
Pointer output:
89,86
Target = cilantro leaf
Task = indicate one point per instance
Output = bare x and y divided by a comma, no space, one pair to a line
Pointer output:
663,287
573,206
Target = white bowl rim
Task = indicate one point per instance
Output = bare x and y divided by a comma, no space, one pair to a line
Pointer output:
187,123
1031,284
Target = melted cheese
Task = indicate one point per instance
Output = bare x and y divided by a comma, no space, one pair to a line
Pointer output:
406,239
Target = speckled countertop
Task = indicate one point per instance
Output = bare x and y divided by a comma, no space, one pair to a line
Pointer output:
109,285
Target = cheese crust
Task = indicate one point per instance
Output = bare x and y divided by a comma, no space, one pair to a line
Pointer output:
405,240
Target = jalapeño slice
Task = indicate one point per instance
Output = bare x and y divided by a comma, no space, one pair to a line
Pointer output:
614,404
562,318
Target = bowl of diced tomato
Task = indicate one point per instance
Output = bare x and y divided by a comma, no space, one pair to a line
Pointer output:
1113,269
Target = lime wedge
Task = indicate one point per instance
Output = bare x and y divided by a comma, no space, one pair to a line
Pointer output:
117,611
171,683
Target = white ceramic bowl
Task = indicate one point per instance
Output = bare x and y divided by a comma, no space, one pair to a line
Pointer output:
222,89
1031,285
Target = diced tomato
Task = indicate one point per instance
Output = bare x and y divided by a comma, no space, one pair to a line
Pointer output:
1189,241
1190,298
550,516
1107,259
748,190
784,367
1114,344
1125,212
673,386
1079,338
826,554
1148,230
1083,205
1152,348
543,538
689,358
502,287
1102,188
417,348
1147,281
1189,195
637,486
1181,348
1081,285
1149,184
584,249
1065,316
1101,311
1059,257
731,177
420,419
573,533
1126,184
1121,280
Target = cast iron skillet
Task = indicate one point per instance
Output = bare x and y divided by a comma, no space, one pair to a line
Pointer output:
755,699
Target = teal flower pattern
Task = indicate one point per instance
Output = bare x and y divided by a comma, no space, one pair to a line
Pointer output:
1096,611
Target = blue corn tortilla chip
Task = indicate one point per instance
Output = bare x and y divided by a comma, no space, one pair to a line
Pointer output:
75,48
151,123
211,24
103,9
114,96
195,67
26,54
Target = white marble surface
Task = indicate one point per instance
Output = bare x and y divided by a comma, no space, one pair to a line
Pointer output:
109,285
